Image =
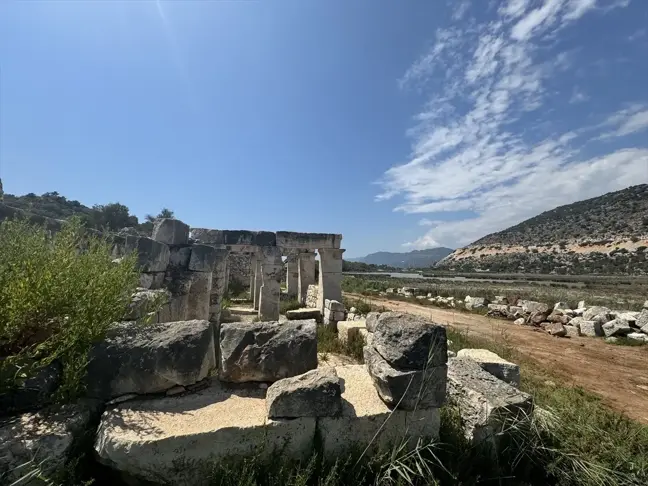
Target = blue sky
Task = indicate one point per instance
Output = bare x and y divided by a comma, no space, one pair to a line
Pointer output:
400,125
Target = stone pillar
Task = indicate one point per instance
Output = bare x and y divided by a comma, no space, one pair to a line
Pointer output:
199,300
306,275
253,265
258,280
270,294
219,273
330,276
227,274
292,277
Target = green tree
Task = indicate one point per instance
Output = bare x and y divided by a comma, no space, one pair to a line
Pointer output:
165,213
113,216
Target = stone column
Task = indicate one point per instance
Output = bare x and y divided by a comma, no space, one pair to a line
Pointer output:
258,280
219,275
227,274
330,276
306,274
270,294
253,265
292,277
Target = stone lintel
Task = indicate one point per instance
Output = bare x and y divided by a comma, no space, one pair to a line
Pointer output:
234,237
308,241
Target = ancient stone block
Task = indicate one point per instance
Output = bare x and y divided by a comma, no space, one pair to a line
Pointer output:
202,258
267,351
151,281
409,342
597,313
145,301
316,393
301,314
407,390
530,306
493,364
372,320
150,358
616,327
474,302
179,256
349,330
556,329
572,331
591,328
152,256
171,231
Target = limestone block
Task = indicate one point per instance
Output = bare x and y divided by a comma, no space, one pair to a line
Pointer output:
576,322
152,256
366,336
145,301
631,317
498,309
179,256
474,302
487,404
148,439
591,328
530,306
202,258
493,364
642,319
301,314
372,320
556,329
308,241
198,304
267,351
316,393
638,336
616,327
407,390
366,419
150,358
42,443
312,296
171,231
334,305
520,321
349,330
409,342
330,315
500,299
151,281
597,313
572,331
581,304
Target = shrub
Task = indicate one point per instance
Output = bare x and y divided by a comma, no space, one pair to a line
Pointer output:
58,295
288,305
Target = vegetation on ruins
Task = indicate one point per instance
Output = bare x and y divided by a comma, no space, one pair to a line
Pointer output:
58,295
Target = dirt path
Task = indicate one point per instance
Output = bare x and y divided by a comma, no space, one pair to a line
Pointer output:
619,374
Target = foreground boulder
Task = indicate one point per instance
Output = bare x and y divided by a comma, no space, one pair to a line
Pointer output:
42,443
267,351
406,389
597,313
409,342
150,358
493,364
316,393
487,404
371,321
591,328
616,327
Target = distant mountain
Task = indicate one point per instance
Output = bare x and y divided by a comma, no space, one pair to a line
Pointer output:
412,259
603,235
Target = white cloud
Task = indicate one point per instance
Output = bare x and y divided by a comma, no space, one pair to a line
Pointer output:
472,152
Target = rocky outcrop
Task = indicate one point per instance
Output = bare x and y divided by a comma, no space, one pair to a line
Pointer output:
267,351
316,393
150,358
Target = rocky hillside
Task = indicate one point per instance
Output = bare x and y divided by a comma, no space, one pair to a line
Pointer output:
603,235
413,259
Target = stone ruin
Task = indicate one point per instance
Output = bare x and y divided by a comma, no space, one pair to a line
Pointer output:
188,389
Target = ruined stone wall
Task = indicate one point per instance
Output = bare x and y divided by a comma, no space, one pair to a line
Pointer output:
239,270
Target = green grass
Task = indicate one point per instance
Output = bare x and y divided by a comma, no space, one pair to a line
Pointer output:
58,295
328,342
287,305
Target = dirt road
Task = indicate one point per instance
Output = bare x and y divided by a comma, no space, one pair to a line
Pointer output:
619,374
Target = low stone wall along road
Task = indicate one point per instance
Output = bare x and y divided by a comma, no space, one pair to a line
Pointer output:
619,374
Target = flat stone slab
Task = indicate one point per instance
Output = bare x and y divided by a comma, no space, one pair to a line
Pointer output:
243,311
301,314
495,365
152,439
349,329
364,414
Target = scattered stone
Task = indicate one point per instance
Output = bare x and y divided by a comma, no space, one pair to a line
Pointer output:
629,316
409,389
171,231
498,310
581,304
576,322
372,320
616,327
493,364
638,336
645,304
150,358
267,351
591,328
334,305
530,306
520,321
561,305
474,302
500,299
316,393
556,329
642,319
572,331
597,313
487,405
409,342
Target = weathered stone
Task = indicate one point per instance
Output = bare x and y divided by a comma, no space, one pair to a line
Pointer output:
198,303
306,276
498,310
330,276
576,322
349,330
616,327
36,447
302,314
316,393
572,331
152,256
171,231
267,351
407,390
556,329
597,313
520,321
367,422
33,392
144,302
473,303
202,258
591,328
581,304
151,281
530,306
537,318
493,364
487,404
371,321
641,320
150,358
629,316
149,439
179,256
561,305
409,342
645,304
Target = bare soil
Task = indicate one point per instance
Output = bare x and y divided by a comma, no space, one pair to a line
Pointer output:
618,374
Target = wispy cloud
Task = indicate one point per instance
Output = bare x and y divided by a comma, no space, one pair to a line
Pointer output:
474,143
